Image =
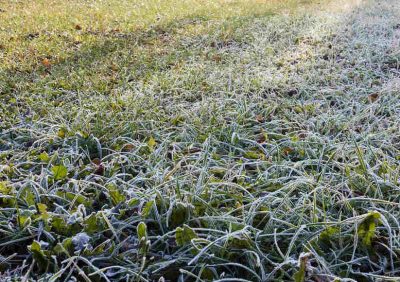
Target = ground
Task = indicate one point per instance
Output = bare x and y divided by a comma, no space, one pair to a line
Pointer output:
199,140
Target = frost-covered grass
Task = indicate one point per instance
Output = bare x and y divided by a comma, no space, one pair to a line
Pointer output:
199,140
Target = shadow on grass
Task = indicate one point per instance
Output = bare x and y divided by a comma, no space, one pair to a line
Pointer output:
106,60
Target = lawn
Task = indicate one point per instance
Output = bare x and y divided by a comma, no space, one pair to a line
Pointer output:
199,140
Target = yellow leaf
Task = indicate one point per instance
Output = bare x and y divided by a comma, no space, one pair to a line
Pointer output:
43,211
42,208
61,133
151,143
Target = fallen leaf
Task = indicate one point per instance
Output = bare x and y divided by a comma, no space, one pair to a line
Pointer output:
217,58
262,138
46,63
99,167
114,67
373,97
292,92
302,135
260,118
78,27
286,151
31,36
128,147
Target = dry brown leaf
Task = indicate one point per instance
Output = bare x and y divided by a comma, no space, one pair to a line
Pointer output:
287,150
260,118
128,147
373,97
302,135
261,138
114,67
46,63
217,58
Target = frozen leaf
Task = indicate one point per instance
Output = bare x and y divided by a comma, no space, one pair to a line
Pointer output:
80,241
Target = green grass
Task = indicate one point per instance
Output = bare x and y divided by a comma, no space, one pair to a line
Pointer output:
199,140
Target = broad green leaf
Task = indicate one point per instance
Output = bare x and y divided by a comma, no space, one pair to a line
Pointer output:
42,208
59,225
218,171
5,188
239,242
28,196
116,196
65,246
23,220
7,195
43,211
328,233
59,172
91,224
367,228
133,202
299,276
38,254
184,235
179,214
44,157
251,155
